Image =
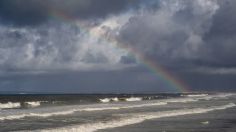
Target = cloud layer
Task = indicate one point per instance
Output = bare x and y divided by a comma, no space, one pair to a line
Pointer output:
28,12
187,37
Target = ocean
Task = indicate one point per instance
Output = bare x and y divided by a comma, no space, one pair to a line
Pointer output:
186,112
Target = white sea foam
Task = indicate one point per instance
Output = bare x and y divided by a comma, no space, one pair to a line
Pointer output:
71,111
124,107
208,96
106,100
196,95
101,107
13,117
180,100
134,99
115,99
33,104
136,118
9,105
216,96
184,99
226,95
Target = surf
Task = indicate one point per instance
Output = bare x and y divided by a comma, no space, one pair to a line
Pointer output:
9,105
137,118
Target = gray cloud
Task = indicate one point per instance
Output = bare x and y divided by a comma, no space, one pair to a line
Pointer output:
33,12
174,32
128,60
185,34
192,39
219,48
180,34
23,12
55,46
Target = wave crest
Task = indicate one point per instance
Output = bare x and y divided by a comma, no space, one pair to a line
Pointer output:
9,105
136,118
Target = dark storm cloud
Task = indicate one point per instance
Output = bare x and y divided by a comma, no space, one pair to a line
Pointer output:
171,34
186,34
220,40
119,81
28,12
194,40
23,11
178,34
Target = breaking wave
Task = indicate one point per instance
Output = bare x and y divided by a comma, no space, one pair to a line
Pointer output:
136,118
9,105
33,104
115,99
134,99
106,100
215,97
183,98
71,111
99,107
196,95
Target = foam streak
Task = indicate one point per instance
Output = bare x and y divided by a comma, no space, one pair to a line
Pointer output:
137,118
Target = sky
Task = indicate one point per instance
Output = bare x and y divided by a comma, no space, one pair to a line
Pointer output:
117,46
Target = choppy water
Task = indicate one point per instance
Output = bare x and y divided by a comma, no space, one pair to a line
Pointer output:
87,113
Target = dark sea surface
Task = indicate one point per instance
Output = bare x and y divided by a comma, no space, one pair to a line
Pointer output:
189,112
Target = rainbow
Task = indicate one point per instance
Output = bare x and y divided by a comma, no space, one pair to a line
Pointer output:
178,85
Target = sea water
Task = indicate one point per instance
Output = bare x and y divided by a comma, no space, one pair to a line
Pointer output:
109,112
